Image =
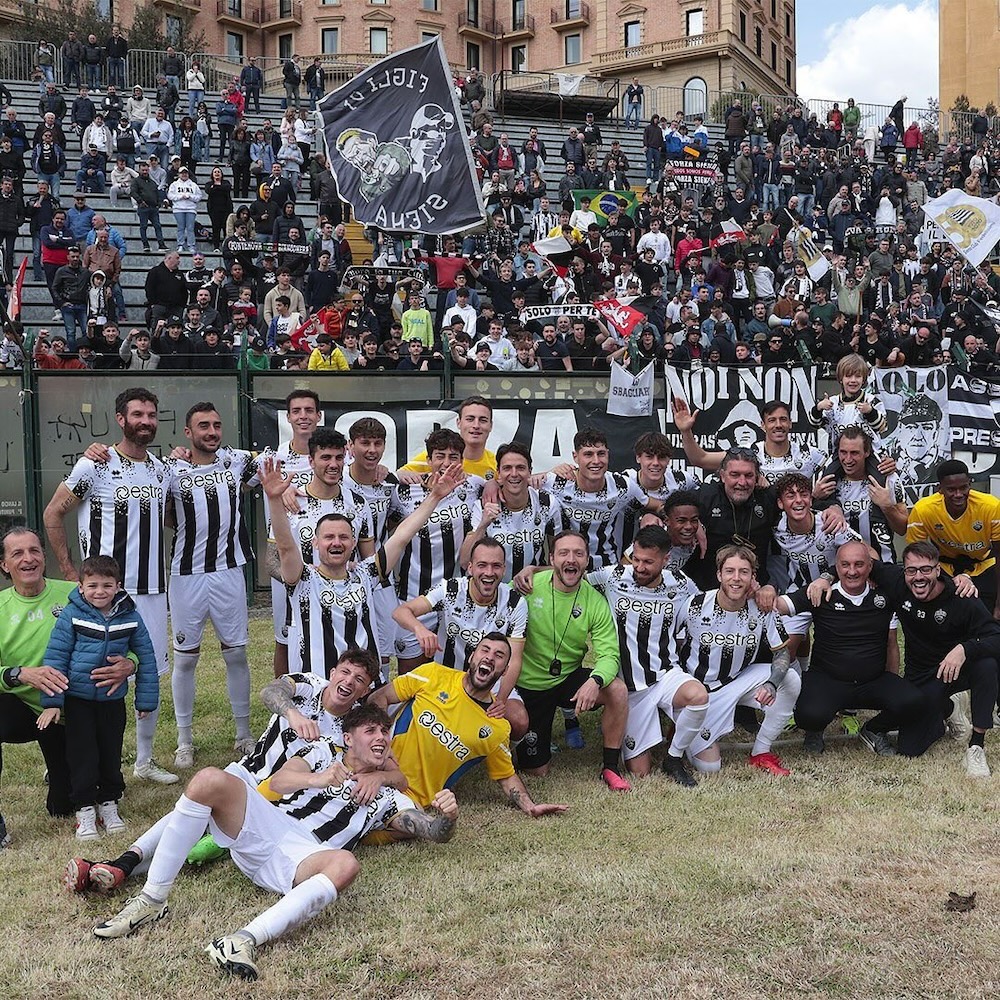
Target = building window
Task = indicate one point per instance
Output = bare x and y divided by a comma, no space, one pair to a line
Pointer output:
175,28
284,8
788,72
774,10
518,14
695,97
102,8
572,9
427,36
378,41
378,3
633,34
330,3
788,24
774,56
472,55
743,26
694,21
472,12
234,8
234,45
429,5
330,41
758,42
285,50
573,51
519,58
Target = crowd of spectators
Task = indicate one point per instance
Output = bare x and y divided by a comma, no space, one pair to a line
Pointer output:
277,297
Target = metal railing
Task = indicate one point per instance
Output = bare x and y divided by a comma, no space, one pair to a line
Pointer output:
571,10
594,87
281,10
243,10
671,46
487,25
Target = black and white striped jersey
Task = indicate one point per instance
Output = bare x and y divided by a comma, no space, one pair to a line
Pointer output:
311,509
121,515
644,618
717,644
672,482
462,622
331,616
208,507
294,467
522,532
432,555
805,556
329,814
865,517
379,499
599,517
803,459
279,741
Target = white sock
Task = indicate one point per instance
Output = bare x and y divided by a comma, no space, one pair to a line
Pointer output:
238,686
145,732
690,721
182,684
705,766
300,904
145,845
777,714
185,828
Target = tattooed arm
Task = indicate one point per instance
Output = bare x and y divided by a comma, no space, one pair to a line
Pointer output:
435,823
277,698
62,502
779,667
517,795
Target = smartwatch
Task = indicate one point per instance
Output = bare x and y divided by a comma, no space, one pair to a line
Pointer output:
597,680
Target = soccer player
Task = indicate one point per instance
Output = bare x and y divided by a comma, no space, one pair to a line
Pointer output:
331,600
432,553
521,520
207,581
299,850
366,440
474,423
777,454
564,611
874,511
302,407
467,609
643,598
964,524
595,502
120,507
443,730
849,668
723,630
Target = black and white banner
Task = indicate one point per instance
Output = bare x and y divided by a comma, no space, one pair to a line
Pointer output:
397,146
974,418
547,427
918,435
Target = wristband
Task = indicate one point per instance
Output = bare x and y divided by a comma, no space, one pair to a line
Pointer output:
597,680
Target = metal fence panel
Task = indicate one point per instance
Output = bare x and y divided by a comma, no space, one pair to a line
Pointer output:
13,469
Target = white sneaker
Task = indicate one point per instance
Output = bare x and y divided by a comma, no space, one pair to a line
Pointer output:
235,954
107,816
56,316
86,824
244,746
959,723
975,763
137,912
184,756
149,770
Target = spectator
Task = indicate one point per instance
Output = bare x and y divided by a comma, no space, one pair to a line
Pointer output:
39,209
70,288
15,131
572,151
92,175
171,67
184,195
72,56
315,82
175,348
138,109
195,80
116,55
166,290
633,101
136,353
146,196
93,60
280,192
158,135
168,97
83,112
219,202
45,60
54,354
291,74
80,217
473,88
226,117
11,220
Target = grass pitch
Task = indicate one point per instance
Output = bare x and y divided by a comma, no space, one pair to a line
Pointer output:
830,883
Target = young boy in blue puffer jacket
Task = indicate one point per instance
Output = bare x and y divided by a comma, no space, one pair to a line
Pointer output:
100,621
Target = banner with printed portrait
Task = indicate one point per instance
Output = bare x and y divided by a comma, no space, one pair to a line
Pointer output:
918,435
397,146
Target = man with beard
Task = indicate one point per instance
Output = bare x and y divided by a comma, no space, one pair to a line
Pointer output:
120,506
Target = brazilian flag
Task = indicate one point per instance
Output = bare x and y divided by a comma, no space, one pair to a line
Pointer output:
603,203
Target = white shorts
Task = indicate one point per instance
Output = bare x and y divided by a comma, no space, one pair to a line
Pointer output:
722,702
279,611
220,597
405,644
384,602
643,730
797,624
270,845
153,609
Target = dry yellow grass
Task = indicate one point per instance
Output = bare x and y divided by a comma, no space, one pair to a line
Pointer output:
831,883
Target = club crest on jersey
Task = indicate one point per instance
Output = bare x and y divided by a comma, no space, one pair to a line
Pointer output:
485,732
907,606
576,612
879,601
179,638
706,734
57,610
629,743
758,510
977,525
442,695
940,615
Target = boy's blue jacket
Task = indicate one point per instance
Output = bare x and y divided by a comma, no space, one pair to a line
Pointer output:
83,639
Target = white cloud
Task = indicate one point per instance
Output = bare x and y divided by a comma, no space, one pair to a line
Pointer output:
877,57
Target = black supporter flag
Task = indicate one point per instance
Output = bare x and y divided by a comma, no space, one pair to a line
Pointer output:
398,148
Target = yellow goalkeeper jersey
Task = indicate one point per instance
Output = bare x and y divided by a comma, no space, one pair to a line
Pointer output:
440,732
966,542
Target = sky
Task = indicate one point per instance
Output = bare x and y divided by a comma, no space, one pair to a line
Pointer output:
874,53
